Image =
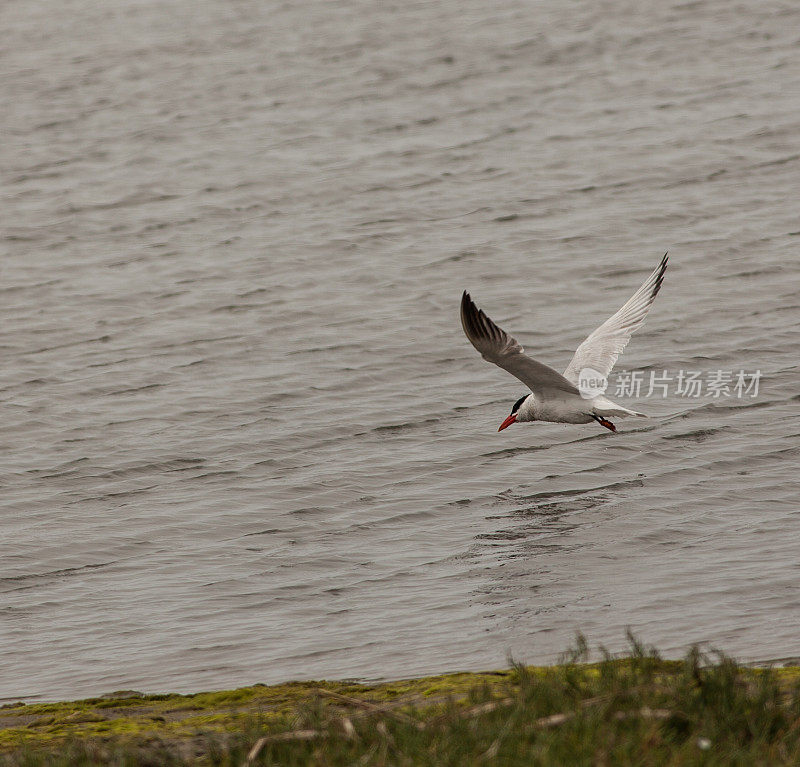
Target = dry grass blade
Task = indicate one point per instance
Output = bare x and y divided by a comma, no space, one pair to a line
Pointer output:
645,713
281,737
368,706
485,708
467,713
349,730
554,719
384,732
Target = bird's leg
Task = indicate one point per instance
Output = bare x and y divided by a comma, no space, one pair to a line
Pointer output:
603,422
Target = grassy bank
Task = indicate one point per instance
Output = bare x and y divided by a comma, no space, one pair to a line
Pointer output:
632,710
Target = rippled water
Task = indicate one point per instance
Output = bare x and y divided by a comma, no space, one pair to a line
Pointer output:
244,438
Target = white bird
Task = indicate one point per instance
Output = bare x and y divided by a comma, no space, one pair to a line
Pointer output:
573,397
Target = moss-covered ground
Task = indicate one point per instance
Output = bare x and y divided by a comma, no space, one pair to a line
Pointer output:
631,710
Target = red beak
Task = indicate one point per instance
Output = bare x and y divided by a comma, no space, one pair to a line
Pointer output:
508,422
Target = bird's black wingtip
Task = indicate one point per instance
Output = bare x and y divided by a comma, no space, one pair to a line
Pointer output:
472,319
466,305
662,266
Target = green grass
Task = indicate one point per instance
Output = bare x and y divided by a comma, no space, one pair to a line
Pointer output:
631,710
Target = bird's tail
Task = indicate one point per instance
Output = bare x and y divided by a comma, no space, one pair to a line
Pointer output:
605,407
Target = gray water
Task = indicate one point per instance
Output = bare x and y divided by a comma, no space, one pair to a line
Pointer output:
244,437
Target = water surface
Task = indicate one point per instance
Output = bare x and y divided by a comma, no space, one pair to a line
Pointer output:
244,438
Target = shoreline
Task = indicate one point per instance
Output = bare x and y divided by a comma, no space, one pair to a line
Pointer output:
640,697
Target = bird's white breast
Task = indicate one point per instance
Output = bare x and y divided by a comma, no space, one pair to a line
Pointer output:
564,408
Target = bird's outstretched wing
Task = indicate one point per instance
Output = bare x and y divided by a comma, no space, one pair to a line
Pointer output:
495,345
602,348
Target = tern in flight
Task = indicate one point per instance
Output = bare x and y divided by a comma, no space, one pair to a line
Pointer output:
577,396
